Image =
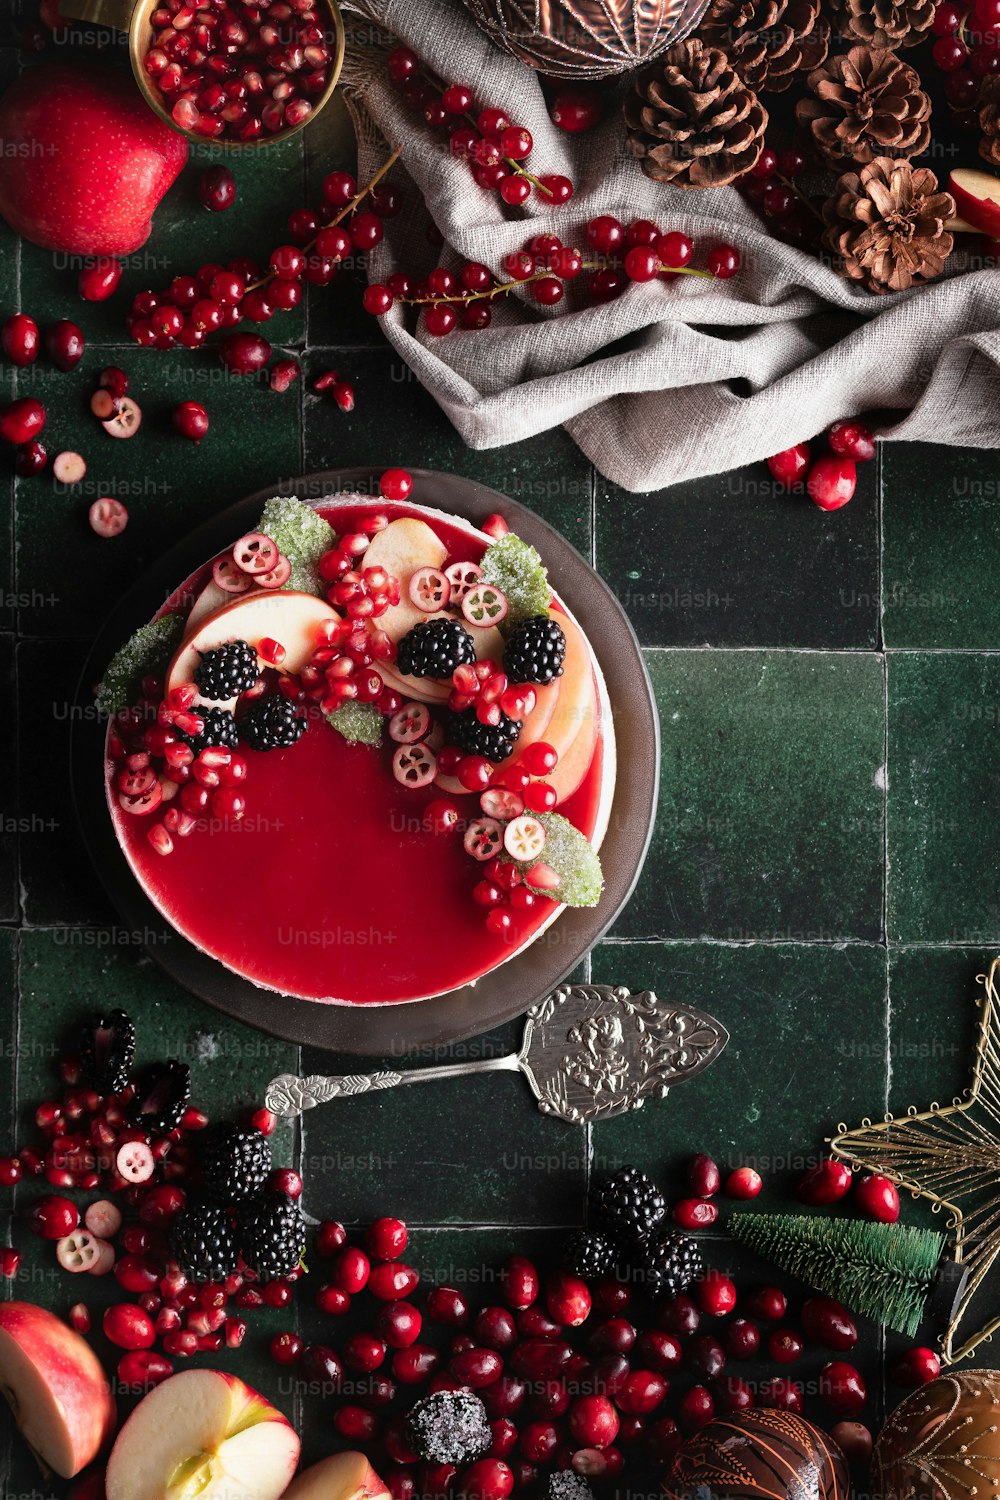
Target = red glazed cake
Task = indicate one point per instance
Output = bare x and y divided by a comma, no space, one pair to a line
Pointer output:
364,756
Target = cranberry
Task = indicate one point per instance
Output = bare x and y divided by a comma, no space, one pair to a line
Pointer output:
593,1421
781,1395
854,1441
364,1353
10,1170
64,344
679,1315
575,110
356,1424
286,1348
141,1369
518,1277
99,278
135,1274
842,1388
10,1262
398,1323
487,1479
741,1338
495,1328
696,1409
642,1392
733,1393
703,1176
162,1203
611,1297
784,1346
414,1365
190,419
386,1239
129,1326
20,339
244,353
707,1355
445,1304
476,1367
332,1301
567,1299
743,1183
916,1367
614,1336
852,440
790,465
330,1237
877,1198
828,1323
831,481
538,1441
538,1359
827,1182
694,1213
52,1217
22,420
349,1270
321,1368
716,1294
217,189
663,1440
283,1180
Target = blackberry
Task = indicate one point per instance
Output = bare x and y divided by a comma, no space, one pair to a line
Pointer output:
161,1097
203,1243
219,729
271,1234
107,1050
535,651
567,1484
234,1163
629,1204
449,1427
590,1255
493,741
226,672
667,1265
272,724
434,648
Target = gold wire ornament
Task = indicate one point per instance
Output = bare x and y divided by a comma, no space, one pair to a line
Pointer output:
951,1156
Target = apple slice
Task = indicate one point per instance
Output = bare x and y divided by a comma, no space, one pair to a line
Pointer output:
285,615
211,598
574,715
204,1434
403,547
57,1390
345,1476
977,198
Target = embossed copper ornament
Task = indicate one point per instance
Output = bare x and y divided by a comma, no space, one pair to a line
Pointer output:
758,1455
943,1441
589,1052
586,38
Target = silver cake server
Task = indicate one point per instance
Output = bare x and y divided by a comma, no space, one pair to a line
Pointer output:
589,1052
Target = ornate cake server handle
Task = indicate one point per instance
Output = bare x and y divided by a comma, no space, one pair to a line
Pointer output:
288,1095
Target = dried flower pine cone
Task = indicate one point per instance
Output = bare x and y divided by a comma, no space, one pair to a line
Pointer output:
866,104
886,225
768,41
883,23
692,121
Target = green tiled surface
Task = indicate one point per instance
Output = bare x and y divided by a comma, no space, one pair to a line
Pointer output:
821,873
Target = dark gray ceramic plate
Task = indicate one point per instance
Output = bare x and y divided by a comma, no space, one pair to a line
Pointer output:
509,990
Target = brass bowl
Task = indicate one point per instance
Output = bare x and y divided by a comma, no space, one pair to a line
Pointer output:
134,17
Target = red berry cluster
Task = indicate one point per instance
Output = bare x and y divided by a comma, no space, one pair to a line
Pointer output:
345,669
772,186
967,50
493,146
830,1180
831,479
240,69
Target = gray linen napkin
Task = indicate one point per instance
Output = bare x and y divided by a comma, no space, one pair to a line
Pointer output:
671,381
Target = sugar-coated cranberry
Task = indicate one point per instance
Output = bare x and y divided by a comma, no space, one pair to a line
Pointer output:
593,1421
217,189
696,1409
386,1239
715,1294
703,1176
129,1326
743,1183
567,1299
827,1182
20,339
64,344
350,1270
329,1238
732,1393
694,1213
679,1315
768,1303
790,465
99,278
707,1355
518,1277
829,1323
52,1217
575,110
877,1198
854,1441
916,1367
781,1394
831,481
842,1388
784,1346
22,420
399,1324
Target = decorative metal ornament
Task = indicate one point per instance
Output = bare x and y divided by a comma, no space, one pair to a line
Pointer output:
950,1155
758,1455
589,1052
943,1441
586,38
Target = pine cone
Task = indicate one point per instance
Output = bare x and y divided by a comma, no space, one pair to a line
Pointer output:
989,121
692,121
768,41
866,104
883,23
885,225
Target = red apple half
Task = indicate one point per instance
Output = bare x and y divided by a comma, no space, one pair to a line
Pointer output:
85,161
977,198
345,1476
57,1390
204,1434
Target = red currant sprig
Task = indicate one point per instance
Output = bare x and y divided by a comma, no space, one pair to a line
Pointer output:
967,50
489,142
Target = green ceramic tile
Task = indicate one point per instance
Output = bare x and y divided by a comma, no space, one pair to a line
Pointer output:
10,826
70,575
734,560
57,878
465,1150
796,1014
944,795
269,184
397,422
770,814
939,520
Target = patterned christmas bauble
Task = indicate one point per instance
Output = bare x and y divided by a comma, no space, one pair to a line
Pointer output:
586,38
943,1441
758,1455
